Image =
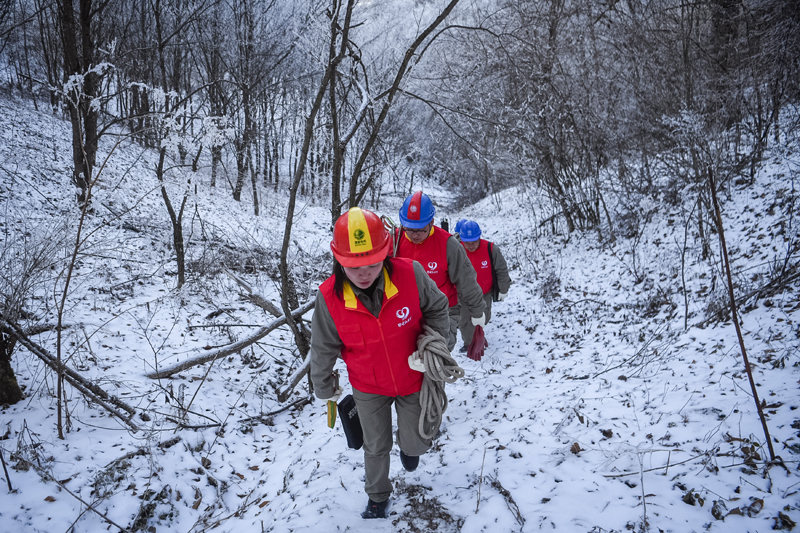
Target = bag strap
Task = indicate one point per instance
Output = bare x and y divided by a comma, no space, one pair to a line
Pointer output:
495,288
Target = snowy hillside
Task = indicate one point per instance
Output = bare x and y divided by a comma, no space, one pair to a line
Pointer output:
594,409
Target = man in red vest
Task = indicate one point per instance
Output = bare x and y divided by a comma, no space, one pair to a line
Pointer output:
492,274
443,259
370,313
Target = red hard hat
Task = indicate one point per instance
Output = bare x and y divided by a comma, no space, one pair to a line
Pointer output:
359,239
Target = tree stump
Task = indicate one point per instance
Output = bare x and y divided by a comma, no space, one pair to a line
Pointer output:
10,393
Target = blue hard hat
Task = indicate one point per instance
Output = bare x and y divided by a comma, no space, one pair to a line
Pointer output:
417,211
470,231
459,225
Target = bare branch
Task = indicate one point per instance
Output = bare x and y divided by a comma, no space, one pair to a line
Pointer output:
254,297
231,348
88,389
295,378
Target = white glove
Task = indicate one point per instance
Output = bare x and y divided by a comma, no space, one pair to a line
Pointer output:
501,296
415,363
480,321
335,398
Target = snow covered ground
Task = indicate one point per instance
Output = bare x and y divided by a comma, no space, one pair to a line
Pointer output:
594,409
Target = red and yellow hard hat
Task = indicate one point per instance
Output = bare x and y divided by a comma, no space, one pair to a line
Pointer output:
359,238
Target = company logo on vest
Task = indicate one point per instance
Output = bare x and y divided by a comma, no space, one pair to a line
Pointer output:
432,267
404,315
484,264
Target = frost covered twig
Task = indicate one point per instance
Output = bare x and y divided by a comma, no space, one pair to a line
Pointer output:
658,334
569,416
48,477
512,505
626,474
644,496
5,470
263,417
480,479
295,378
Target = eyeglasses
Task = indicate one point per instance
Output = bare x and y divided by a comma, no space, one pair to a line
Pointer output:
422,231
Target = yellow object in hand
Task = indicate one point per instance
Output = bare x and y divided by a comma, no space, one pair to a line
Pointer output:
331,414
332,403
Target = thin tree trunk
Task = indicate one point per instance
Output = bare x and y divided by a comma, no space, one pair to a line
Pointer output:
175,218
338,148
288,293
254,183
83,114
734,315
216,157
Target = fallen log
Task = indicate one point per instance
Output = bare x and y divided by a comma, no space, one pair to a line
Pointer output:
90,390
254,297
230,348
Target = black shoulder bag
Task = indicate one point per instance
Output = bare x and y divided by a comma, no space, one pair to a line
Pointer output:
351,424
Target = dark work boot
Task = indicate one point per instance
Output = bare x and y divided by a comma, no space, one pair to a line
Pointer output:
410,463
375,509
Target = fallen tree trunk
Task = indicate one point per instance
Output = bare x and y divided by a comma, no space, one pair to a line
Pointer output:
231,348
88,389
254,297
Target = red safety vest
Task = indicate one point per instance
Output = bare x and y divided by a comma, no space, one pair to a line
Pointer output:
482,263
376,350
432,255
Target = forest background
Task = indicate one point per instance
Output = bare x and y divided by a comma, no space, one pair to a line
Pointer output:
603,116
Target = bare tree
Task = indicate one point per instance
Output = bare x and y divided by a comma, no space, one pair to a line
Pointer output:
261,48
209,57
81,32
341,19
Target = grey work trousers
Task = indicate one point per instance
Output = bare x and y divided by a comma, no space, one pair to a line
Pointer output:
455,316
465,322
375,413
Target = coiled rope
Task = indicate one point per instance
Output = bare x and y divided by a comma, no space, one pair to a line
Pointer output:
440,368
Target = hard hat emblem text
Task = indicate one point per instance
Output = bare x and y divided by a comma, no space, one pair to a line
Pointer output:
358,237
